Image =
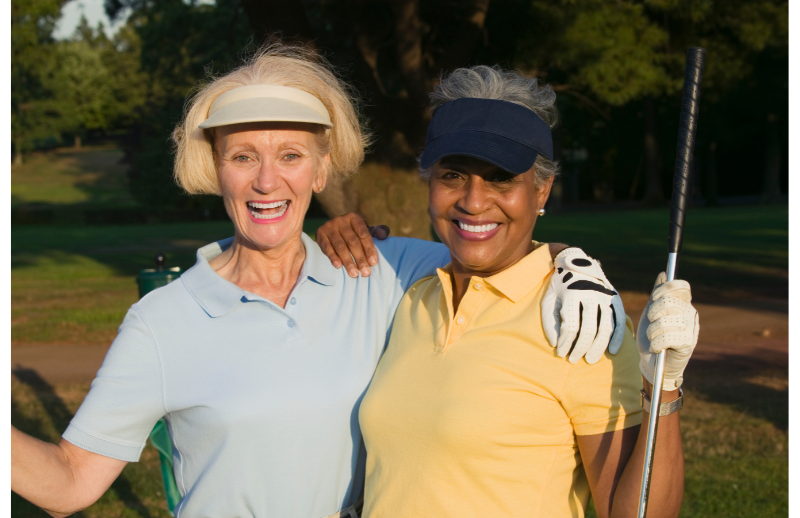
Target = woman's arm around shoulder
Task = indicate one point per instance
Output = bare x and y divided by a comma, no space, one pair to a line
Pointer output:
348,241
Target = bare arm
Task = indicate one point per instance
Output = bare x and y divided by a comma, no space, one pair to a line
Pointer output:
613,462
60,478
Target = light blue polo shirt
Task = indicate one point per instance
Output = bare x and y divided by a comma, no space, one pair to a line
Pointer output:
261,402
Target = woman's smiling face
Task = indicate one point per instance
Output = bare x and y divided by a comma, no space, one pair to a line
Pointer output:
268,172
484,214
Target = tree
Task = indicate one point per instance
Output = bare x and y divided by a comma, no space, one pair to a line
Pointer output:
32,111
174,44
101,77
617,68
82,88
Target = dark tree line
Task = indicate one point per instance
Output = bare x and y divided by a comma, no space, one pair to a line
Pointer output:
616,66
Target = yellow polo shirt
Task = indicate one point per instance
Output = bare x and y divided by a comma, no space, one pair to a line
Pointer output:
473,414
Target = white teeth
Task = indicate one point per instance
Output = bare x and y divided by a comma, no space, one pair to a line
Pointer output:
477,228
282,204
257,205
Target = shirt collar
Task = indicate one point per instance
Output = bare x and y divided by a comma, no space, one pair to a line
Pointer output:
217,296
317,266
519,279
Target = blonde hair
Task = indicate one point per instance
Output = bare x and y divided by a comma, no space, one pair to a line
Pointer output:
274,64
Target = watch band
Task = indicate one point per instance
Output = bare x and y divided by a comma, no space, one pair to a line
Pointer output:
666,408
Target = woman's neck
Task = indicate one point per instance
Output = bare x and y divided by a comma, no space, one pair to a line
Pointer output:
462,274
271,273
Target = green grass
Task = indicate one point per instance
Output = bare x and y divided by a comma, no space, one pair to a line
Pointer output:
92,175
73,285
728,253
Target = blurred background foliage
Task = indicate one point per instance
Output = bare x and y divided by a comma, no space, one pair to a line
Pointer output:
617,67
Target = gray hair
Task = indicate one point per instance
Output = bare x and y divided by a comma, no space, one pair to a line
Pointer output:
483,82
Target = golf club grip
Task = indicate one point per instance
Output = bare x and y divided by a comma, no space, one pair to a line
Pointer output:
687,130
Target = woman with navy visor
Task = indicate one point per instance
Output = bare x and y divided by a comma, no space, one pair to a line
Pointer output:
259,355
469,412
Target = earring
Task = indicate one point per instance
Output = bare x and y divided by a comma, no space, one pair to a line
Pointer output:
542,211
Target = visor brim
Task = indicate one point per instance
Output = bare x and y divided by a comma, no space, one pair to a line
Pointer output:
505,153
264,110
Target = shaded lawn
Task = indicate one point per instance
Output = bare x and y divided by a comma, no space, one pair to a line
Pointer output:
728,253
90,175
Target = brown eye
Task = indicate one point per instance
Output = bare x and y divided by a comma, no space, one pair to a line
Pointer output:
501,177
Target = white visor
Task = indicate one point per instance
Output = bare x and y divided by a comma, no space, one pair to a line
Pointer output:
266,103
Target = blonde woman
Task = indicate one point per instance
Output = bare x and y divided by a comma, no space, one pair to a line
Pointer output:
259,355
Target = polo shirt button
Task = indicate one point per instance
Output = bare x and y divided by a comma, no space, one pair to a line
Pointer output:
460,320
290,323
479,286
293,301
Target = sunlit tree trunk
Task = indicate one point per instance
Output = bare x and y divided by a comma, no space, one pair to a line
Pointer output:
17,151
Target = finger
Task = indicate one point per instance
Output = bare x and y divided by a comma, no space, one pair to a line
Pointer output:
570,326
355,246
356,249
588,332
619,322
327,249
367,255
604,332
667,306
343,252
678,289
671,341
675,325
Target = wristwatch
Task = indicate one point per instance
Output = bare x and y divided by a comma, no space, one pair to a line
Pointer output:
666,408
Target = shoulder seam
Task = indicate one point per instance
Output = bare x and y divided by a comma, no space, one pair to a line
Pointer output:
160,360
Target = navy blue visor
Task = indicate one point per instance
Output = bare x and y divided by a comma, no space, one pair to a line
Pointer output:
502,133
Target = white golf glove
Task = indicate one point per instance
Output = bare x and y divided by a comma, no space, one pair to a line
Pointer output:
669,321
581,303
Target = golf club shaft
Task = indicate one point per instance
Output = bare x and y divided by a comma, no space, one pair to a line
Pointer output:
693,78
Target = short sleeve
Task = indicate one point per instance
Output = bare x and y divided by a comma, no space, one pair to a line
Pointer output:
126,398
410,260
604,397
